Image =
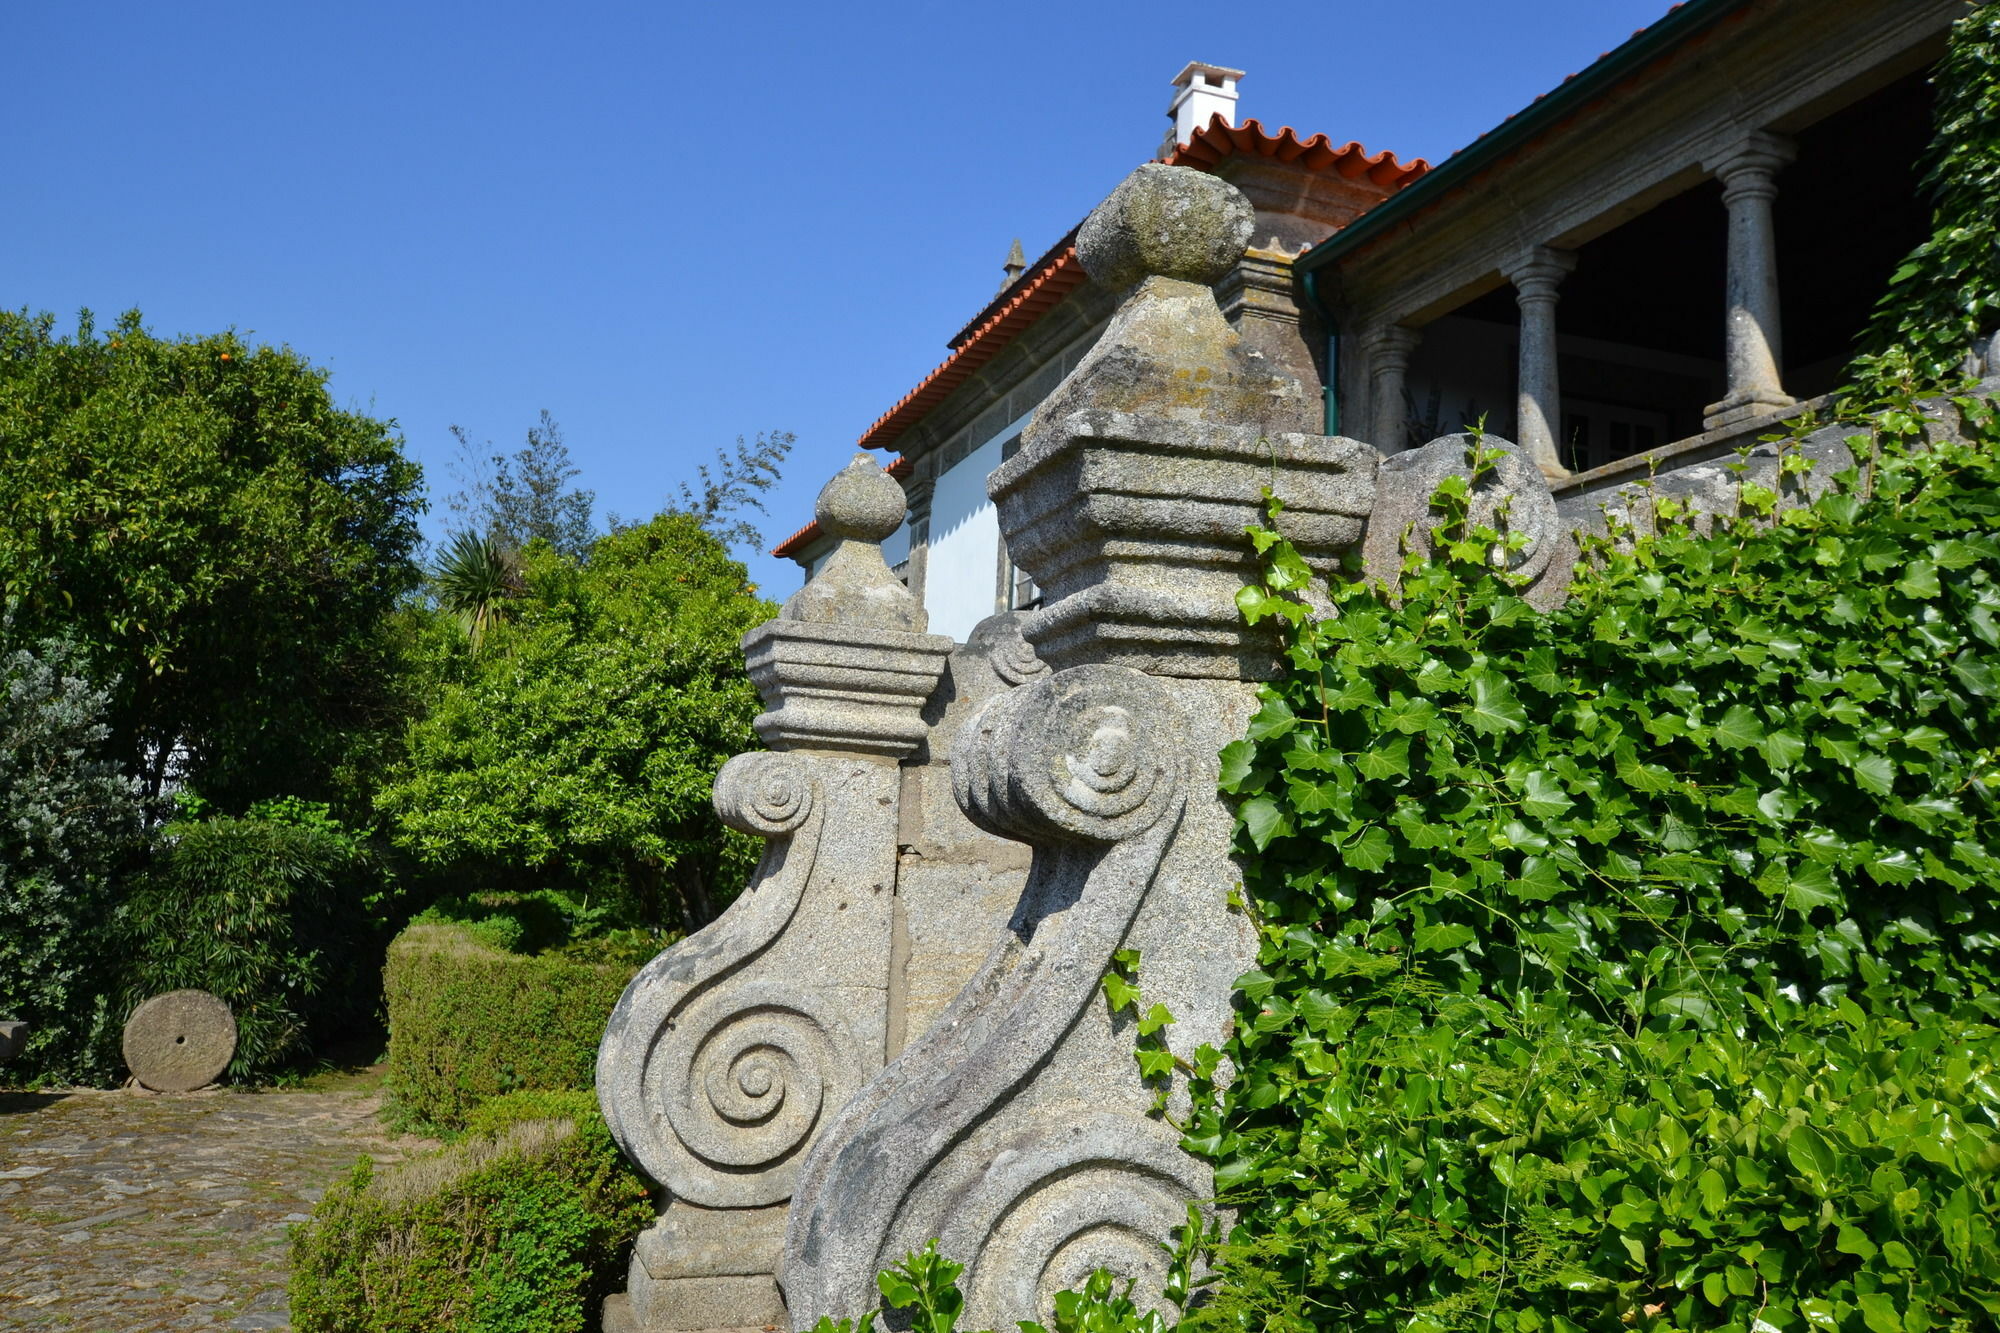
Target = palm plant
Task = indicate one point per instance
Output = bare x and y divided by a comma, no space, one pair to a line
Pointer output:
473,579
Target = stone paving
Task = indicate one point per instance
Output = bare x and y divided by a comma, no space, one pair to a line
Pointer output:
123,1212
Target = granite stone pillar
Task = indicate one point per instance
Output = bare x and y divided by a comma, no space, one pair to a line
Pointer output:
1017,1129
1389,353
1754,354
730,1053
1538,413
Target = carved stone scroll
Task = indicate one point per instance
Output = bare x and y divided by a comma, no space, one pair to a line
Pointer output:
969,1131
1019,1130
730,1053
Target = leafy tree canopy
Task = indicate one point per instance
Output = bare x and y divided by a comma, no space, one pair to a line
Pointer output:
221,538
577,747
68,817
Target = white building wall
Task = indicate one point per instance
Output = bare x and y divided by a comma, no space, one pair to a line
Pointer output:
962,570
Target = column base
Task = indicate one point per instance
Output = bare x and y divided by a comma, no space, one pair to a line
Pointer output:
684,1304
1746,406
703,1268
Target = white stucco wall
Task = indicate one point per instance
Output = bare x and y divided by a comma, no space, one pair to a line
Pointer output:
961,573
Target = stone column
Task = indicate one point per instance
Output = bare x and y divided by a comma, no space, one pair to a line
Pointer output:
1389,354
919,492
1018,1129
1538,413
1754,354
730,1053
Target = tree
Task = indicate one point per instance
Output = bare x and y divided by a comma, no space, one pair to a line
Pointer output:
578,749
219,538
739,478
518,498
473,580
68,817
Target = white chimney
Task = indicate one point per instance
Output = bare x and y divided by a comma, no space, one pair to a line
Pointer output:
1202,92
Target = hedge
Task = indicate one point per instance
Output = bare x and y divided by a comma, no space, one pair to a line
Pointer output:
261,913
468,1021
518,1229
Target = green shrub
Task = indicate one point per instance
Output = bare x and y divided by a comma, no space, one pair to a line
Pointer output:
68,816
468,1021
519,1229
263,914
1633,964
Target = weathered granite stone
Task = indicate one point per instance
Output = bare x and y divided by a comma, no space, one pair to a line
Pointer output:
956,884
1170,426
729,1052
1170,222
1511,496
13,1039
1017,1129
854,589
1706,492
180,1041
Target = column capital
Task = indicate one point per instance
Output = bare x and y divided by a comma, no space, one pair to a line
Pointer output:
1537,273
1392,345
1749,165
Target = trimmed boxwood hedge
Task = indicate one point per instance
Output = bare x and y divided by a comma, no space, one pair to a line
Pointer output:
468,1021
517,1228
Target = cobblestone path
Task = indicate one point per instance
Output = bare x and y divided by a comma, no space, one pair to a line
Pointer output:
127,1213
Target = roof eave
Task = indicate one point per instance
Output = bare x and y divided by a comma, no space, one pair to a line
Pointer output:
1680,23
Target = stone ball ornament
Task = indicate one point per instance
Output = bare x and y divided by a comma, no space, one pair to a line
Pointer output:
1168,222
180,1041
861,503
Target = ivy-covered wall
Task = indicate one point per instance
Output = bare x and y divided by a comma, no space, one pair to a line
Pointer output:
1634,966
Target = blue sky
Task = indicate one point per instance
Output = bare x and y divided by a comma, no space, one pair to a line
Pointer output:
667,224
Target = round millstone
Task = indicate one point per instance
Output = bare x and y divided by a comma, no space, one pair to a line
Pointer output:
180,1041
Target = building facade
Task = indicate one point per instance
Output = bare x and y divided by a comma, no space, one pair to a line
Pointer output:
1665,257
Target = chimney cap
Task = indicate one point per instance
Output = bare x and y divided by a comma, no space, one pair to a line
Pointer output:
1212,75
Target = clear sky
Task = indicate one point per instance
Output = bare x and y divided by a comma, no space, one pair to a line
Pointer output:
668,224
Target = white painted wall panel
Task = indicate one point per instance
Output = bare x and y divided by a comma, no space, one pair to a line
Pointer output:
961,571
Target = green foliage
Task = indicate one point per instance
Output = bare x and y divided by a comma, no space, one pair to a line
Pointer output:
580,748
516,1229
1633,963
68,817
468,1022
740,478
510,500
923,1289
1947,293
217,535
260,912
473,580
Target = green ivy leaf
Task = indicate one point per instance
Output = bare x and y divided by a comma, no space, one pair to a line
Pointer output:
1494,707
1544,797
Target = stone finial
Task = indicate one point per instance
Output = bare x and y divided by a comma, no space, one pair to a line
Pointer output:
861,503
861,506
1135,479
1166,222
1016,265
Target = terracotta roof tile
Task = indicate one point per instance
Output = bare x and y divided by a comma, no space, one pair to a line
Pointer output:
1218,139
1034,295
